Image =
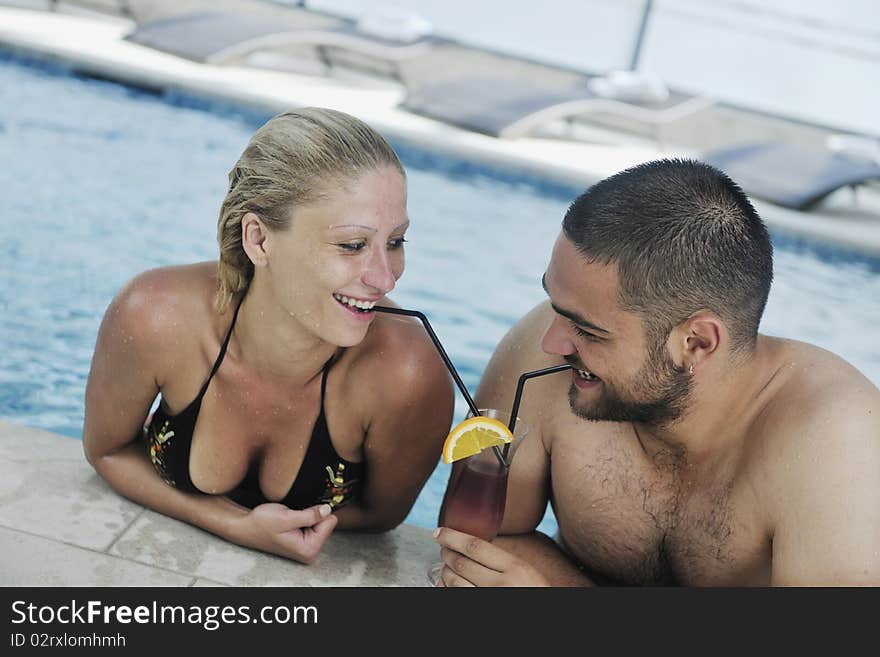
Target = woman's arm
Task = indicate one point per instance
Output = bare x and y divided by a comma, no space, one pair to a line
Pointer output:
411,404
134,347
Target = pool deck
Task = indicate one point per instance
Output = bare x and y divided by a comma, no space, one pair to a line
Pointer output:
92,43
61,525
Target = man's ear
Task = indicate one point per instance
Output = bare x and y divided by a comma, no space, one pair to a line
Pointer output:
253,239
697,340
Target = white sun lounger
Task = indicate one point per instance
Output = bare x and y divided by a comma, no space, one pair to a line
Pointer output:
510,108
220,37
792,175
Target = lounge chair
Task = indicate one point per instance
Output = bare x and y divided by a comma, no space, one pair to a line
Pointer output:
792,175
510,108
219,37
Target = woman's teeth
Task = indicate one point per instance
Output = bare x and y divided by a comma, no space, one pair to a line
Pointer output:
587,375
361,306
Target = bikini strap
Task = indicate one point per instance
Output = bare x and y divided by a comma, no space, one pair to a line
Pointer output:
222,350
324,378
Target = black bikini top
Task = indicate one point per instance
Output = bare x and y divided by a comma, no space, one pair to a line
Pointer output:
323,478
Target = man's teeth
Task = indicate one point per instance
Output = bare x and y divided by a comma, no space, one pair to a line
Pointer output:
355,303
587,375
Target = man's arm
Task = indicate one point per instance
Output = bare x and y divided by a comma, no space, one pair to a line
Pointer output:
827,518
523,560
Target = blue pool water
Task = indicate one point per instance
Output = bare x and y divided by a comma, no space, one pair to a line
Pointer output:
100,181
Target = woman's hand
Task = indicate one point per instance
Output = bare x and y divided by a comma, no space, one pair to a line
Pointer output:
297,535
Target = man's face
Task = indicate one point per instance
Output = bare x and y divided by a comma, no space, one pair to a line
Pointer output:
619,376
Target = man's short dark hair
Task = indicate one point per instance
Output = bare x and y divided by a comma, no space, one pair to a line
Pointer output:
684,237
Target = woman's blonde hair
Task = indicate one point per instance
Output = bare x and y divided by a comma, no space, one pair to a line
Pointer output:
294,159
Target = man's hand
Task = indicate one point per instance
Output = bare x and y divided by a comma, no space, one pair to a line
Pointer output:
471,561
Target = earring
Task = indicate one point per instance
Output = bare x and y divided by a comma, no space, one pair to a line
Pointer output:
691,369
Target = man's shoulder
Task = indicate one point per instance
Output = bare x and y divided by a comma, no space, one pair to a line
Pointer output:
821,421
544,401
519,351
536,321
521,345
816,448
817,387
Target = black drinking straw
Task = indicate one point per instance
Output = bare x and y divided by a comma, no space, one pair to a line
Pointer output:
517,396
449,366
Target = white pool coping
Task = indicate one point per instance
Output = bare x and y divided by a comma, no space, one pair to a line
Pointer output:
96,46
62,525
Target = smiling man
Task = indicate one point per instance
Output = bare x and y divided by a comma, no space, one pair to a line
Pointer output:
685,447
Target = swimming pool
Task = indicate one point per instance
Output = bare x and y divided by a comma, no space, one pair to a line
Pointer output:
101,181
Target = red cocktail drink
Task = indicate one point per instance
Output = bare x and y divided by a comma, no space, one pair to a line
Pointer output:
477,491
475,501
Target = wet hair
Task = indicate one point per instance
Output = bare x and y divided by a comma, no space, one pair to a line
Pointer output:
295,159
684,237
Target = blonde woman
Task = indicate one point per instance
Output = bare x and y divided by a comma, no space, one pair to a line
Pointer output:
287,407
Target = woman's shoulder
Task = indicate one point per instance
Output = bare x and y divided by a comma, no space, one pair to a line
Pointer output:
157,292
400,359
397,382
163,303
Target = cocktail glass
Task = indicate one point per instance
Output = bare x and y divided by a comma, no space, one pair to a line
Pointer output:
477,490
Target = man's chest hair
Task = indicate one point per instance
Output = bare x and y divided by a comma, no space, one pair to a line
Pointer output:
642,522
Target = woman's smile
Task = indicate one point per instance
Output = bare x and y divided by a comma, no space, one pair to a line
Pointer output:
359,309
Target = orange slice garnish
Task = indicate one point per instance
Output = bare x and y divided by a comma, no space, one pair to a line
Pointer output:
473,436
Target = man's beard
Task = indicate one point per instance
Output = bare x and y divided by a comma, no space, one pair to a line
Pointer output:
660,395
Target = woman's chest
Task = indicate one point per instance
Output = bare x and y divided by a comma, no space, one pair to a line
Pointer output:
266,433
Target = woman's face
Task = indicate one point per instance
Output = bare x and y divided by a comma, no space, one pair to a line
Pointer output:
341,255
